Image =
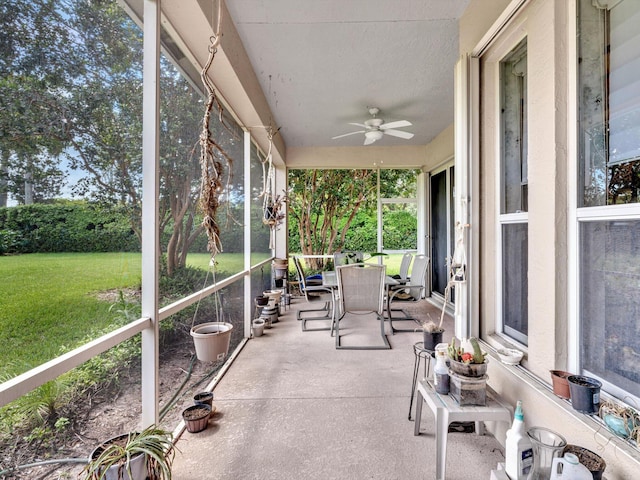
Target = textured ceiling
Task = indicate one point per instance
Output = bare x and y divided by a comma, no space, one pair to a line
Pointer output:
322,63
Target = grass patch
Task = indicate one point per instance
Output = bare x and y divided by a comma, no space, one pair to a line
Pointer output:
50,302
53,302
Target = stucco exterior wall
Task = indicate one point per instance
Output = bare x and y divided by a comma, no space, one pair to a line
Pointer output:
440,150
476,20
547,26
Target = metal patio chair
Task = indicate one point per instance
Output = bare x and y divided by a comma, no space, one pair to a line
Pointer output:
361,292
314,292
403,277
412,291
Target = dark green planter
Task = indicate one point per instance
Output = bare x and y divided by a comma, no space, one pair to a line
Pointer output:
431,339
585,393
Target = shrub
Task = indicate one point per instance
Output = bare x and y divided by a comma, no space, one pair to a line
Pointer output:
75,226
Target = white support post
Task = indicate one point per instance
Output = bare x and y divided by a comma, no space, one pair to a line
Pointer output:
248,298
462,320
423,219
150,234
281,237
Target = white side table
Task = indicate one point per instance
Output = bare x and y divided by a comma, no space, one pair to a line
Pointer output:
447,410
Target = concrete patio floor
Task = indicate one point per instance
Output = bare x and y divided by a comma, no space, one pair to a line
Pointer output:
291,406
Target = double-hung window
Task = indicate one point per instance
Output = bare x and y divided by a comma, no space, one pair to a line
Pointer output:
608,212
513,218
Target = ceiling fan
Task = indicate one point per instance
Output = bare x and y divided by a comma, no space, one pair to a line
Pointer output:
375,128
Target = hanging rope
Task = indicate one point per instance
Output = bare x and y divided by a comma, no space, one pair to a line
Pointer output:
211,153
268,177
458,273
458,267
271,204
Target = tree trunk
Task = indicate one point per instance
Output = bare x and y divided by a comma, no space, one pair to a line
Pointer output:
4,182
28,184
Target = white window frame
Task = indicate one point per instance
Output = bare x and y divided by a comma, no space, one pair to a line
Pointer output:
578,215
503,218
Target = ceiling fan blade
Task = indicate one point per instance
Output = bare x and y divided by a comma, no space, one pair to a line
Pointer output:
398,124
369,140
361,125
398,133
347,134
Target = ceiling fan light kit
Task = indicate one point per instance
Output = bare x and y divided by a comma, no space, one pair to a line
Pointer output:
375,128
373,135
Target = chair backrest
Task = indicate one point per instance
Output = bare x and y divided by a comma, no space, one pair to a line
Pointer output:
404,266
361,287
301,276
418,275
347,258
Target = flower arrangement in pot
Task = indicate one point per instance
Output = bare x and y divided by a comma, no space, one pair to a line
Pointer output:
134,456
467,358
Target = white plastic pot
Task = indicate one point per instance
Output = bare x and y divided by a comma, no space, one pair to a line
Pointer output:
211,340
257,327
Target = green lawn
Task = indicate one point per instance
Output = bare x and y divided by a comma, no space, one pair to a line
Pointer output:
50,303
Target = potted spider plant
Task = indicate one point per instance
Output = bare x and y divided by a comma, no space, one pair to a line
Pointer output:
133,456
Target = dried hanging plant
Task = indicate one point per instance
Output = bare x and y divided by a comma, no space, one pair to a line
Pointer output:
211,153
272,206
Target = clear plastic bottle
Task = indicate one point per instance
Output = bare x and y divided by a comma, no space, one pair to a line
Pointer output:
441,371
518,449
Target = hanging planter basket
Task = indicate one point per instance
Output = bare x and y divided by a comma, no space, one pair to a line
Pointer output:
211,340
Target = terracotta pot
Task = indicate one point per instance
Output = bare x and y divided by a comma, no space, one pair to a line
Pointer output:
560,383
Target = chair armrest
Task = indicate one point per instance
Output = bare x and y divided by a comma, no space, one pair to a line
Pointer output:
393,292
318,288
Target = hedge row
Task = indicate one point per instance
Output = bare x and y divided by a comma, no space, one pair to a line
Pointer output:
68,227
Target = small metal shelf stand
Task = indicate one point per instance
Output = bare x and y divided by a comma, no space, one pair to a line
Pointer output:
422,355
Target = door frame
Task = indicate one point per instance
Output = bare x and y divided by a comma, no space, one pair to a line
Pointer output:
449,168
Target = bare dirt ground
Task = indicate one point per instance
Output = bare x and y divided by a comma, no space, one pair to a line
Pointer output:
118,411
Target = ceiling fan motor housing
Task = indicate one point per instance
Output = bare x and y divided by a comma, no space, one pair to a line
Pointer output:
374,122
